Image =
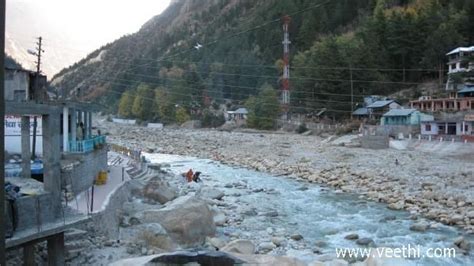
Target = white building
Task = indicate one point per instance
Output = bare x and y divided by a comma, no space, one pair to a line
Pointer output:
458,60
239,114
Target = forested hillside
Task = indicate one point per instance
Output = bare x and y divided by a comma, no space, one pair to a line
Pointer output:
371,46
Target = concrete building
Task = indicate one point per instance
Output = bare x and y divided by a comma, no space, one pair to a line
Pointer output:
459,60
20,84
462,101
70,165
404,117
239,114
460,125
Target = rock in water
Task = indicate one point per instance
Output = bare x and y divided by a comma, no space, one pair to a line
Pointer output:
219,218
266,247
188,220
278,241
159,190
239,246
462,243
364,241
296,237
352,236
419,227
211,193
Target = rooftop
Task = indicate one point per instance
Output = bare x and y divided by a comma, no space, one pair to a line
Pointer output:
239,111
467,89
461,49
399,112
361,111
379,104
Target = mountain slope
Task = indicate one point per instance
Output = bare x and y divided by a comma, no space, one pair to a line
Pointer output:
154,53
384,45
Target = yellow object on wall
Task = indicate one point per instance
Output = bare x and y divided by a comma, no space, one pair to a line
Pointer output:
101,178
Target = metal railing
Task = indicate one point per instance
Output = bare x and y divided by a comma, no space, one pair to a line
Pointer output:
87,145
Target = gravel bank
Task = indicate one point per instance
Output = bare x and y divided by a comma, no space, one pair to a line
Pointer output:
434,185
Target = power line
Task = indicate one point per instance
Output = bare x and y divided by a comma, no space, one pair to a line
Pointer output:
304,78
224,85
221,98
264,104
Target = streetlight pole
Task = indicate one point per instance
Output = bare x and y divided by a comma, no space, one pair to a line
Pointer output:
2,132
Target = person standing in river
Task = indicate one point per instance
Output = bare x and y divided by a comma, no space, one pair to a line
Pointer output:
189,175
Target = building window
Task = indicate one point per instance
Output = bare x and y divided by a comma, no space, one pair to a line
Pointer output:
466,128
427,127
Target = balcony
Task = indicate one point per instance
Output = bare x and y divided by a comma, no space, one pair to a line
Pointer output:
87,145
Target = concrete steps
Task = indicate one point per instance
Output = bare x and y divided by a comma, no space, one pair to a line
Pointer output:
76,242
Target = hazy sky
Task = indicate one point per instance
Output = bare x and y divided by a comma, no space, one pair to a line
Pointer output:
73,28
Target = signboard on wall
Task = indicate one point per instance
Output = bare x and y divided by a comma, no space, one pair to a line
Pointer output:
469,117
13,134
13,125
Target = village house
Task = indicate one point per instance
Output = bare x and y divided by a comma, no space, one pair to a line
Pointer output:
378,108
459,87
404,117
237,115
460,60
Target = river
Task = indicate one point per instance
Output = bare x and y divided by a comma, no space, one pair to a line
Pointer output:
319,214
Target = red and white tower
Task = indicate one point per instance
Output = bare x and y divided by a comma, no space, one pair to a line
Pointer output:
286,67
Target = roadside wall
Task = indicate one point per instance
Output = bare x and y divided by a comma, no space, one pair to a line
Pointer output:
374,142
81,176
35,211
109,216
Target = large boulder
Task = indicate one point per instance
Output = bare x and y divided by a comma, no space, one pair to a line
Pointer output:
159,191
151,235
240,246
184,257
187,219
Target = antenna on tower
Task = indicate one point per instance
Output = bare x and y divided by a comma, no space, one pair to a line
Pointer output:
286,68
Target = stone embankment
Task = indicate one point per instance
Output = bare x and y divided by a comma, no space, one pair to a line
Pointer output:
433,185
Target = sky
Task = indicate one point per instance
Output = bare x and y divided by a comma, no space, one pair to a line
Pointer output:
72,28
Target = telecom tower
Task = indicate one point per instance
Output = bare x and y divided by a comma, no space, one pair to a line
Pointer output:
286,68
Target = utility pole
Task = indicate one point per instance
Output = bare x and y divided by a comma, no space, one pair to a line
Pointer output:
286,67
2,132
36,93
352,92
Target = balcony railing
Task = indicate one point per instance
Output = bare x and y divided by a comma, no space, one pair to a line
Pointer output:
87,145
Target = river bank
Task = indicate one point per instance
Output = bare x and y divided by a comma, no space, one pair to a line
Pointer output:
436,186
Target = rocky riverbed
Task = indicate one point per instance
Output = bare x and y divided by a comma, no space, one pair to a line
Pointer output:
434,185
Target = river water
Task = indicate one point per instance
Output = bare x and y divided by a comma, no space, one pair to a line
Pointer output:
315,212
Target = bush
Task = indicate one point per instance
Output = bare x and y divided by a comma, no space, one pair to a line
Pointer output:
301,128
212,120
182,115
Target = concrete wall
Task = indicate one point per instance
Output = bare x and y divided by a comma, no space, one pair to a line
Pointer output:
109,216
433,131
16,81
374,142
35,210
82,176
155,125
124,121
390,130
